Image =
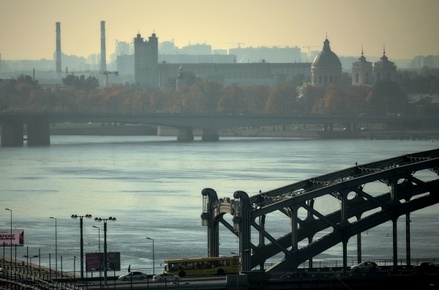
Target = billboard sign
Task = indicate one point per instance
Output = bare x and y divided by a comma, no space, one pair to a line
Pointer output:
95,261
17,237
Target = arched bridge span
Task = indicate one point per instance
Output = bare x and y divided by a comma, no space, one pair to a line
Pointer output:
366,196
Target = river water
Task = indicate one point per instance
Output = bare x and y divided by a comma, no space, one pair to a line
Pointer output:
153,184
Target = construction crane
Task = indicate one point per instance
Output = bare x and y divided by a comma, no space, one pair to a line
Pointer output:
237,43
308,54
106,73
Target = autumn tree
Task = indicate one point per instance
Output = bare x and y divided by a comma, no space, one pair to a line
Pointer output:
310,101
333,101
387,98
81,83
256,97
22,94
232,100
211,91
282,100
356,99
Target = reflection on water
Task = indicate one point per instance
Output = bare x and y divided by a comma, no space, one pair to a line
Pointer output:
153,185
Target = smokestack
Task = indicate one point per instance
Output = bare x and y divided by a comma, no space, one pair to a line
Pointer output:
103,50
58,47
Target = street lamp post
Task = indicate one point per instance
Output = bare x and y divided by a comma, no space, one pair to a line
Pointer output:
56,243
74,266
10,233
153,258
105,243
99,247
74,216
29,258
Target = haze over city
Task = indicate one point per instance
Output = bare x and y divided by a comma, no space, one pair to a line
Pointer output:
406,28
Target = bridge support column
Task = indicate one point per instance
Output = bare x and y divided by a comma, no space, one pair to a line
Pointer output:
241,221
261,237
408,239
12,134
185,134
395,242
210,135
210,199
38,132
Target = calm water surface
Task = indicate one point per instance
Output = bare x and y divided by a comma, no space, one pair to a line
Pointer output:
153,185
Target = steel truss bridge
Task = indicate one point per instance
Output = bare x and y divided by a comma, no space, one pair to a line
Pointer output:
365,196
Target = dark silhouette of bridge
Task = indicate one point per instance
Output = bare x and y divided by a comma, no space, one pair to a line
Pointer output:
38,124
411,182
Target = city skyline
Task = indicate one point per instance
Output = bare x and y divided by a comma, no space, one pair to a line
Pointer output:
401,27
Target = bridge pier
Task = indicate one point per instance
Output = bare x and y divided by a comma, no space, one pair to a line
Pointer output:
38,132
210,135
12,134
185,134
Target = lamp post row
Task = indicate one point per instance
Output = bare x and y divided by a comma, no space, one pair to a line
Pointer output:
56,243
74,216
153,258
105,243
99,247
10,232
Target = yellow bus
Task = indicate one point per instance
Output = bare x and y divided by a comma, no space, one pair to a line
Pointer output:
202,266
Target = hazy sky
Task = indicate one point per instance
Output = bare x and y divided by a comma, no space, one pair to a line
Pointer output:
406,28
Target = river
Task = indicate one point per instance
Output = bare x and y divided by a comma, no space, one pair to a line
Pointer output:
153,184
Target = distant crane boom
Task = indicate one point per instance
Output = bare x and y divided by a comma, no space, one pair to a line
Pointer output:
106,73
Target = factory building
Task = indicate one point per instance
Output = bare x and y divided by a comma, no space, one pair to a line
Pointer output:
148,72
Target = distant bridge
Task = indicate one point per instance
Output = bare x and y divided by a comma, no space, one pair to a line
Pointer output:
38,124
406,184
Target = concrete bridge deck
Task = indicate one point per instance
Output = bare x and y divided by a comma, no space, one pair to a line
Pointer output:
38,124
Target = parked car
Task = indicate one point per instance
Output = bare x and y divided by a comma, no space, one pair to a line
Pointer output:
427,267
133,276
367,266
165,277
3,273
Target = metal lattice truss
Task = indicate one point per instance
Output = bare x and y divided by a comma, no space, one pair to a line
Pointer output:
410,183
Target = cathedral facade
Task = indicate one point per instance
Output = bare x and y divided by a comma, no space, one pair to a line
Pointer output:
366,74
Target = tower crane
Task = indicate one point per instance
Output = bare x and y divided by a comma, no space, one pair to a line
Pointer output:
308,54
237,43
106,73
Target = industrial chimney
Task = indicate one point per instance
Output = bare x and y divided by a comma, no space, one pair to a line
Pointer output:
103,50
58,47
